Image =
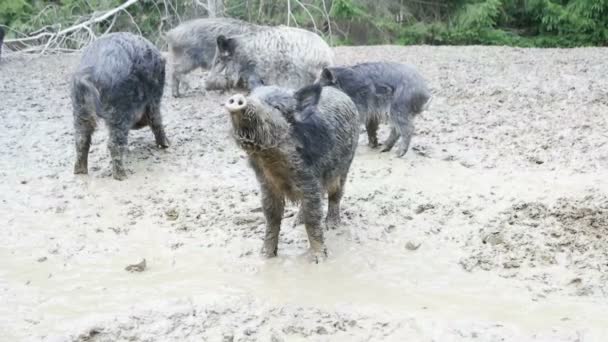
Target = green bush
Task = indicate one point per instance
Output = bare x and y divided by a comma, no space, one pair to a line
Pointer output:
541,23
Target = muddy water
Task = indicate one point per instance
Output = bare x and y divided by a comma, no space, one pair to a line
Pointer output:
378,276
363,279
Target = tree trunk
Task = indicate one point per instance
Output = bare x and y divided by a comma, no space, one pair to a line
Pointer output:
215,8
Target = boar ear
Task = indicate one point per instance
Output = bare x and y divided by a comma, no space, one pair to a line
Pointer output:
254,81
329,75
308,96
251,79
226,45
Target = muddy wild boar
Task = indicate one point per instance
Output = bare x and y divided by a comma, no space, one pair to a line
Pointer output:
300,145
282,56
383,92
193,44
120,79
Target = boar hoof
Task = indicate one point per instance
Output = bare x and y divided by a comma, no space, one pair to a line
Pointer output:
401,152
332,223
119,174
385,149
80,170
164,143
318,256
269,252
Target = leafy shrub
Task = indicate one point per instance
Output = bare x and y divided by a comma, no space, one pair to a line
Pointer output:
542,23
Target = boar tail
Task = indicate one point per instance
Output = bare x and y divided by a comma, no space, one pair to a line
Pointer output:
86,90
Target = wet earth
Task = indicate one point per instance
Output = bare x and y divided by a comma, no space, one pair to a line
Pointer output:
493,227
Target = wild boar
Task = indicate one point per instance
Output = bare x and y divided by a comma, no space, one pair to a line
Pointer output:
282,56
300,146
193,44
383,92
120,80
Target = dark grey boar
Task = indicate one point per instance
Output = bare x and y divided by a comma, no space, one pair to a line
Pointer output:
300,146
192,44
383,92
120,79
282,56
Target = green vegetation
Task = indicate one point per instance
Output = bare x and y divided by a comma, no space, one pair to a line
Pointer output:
528,23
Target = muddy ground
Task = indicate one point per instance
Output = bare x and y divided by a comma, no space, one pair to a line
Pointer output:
494,226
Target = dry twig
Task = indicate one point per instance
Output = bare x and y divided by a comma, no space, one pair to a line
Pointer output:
53,41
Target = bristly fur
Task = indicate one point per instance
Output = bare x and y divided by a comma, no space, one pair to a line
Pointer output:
300,146
283,56
192,44
120,79
383,92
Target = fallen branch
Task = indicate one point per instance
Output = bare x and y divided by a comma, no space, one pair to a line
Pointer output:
23,43
47,41
97,19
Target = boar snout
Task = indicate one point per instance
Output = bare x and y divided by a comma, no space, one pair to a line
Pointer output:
236,103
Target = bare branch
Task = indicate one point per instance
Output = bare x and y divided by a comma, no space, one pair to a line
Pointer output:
314,24
96,20
52,40
328,19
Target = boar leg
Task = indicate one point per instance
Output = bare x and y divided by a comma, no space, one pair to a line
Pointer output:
181,66
84,125
407,130
156,125
117,145
391,140
273,206
403,121
176,78
299,217
371,127
312,220
334,196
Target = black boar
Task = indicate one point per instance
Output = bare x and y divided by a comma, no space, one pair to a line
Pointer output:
120,79
383,91
300,146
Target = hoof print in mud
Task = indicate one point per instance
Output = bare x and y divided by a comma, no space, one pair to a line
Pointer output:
528,237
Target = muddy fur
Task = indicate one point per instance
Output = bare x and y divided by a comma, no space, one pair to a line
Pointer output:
283,56
120,79
300,146
193,44
383,92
